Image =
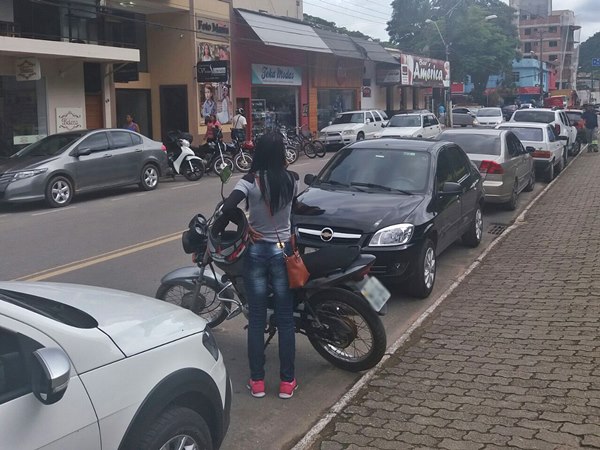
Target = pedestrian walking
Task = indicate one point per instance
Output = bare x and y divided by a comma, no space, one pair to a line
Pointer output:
239,123
442,113
269,190
130,123
591,128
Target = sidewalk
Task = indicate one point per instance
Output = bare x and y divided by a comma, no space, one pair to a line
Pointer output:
512,357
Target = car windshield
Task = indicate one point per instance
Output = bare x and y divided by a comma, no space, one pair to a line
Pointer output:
349,118
413,120
375,170
49,146
527,134
533,116
478,144
489,112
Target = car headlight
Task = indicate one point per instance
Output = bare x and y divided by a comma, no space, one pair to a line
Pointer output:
393,235
27,174
348,132
475,122
210,343
377,135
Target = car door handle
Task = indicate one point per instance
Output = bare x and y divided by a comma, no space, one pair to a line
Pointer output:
108,155
138,150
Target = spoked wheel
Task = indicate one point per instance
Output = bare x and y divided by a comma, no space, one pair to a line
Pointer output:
346,331
309,149
208,306
221,163
320,148
243,162
193,169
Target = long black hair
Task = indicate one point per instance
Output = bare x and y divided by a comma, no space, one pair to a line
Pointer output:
269,165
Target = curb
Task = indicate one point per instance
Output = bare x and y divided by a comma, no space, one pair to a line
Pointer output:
312,435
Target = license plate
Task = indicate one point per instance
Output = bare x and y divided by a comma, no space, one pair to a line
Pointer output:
310,250
375,293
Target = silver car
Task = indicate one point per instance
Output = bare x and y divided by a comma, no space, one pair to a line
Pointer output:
507,168
464,117
62,165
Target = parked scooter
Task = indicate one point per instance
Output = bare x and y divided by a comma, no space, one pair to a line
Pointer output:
182,159
338,309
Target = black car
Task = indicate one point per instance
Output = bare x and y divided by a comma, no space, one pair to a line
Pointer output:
404,201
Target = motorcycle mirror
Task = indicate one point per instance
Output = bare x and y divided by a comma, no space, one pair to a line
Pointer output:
225,174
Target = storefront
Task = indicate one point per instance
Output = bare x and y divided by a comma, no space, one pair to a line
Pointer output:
423,81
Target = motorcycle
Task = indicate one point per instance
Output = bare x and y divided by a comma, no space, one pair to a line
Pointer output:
242,154
217,155
338,309
181,157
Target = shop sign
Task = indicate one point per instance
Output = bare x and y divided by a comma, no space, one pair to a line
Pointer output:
212,71
366,91
457,88
420,71
69,119
211,26
280,75
387,76
28,69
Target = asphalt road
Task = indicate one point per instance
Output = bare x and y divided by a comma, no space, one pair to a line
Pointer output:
127,239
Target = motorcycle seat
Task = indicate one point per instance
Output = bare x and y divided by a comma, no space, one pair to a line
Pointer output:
329,259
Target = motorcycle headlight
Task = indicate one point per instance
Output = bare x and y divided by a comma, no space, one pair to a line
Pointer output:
393,235
27,174
348,132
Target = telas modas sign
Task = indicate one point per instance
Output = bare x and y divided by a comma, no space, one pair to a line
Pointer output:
280,75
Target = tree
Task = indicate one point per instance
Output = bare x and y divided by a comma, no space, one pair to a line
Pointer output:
588,50
476,47
331,26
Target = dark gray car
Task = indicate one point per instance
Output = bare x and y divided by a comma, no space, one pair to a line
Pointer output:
62,165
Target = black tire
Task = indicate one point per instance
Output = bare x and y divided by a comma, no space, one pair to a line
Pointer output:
148,178
576,147
549,175
360,136
422,281
511,204
59,192
309,150
243,162
531,183
320,148
173,423
219,163
193,169
338,311
560,166
209,307
472,237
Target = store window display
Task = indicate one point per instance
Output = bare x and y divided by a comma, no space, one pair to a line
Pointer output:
273,107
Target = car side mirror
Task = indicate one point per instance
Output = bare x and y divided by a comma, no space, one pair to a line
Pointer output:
309,179
451,188
51,370
383,125
530,149
83,151
563,138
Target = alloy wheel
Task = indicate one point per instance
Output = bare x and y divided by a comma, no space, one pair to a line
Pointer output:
478,224
61,192
150,177
181,442
429,267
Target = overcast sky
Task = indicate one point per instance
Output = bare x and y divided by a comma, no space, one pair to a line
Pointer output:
371,17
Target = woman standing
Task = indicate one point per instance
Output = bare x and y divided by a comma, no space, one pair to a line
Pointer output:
269,190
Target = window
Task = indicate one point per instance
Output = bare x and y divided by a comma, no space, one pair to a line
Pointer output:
459,111
527,47
461,165
369,117
121,139
528,134
377,116
444,171
551,135
527,31
426,121
553,57
513,145
137,140
553,44
433,121
96,142
15,358
471,143
552,29
516,76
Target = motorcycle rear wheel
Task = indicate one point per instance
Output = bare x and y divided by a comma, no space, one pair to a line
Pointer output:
210,308
196,173
352,336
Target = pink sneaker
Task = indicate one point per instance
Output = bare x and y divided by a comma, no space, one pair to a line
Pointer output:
287,388
257,388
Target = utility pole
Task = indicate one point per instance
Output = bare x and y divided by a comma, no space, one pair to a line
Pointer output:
541,55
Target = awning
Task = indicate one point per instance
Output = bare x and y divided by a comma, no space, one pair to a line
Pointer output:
375,51
16,46
284,33
340,44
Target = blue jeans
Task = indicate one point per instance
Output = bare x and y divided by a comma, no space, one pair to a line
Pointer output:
264,270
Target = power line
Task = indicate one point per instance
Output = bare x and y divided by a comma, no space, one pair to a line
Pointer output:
381,16
378,22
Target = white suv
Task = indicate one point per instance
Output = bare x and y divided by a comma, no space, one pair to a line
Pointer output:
558,119
89,368
352,126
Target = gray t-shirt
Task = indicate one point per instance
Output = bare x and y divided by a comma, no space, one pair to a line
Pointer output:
260,216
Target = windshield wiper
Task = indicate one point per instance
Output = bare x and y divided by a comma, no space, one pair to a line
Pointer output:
380,186
334,183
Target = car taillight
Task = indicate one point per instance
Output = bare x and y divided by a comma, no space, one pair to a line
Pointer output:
163,148
490,167
541,154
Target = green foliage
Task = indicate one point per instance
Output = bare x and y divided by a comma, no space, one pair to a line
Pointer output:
588,50
331,26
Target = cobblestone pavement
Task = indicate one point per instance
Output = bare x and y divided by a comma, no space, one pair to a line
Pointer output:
512,357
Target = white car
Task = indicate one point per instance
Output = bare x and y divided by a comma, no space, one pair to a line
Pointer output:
90,368
558,119
542,143
352,126
412,125
489,117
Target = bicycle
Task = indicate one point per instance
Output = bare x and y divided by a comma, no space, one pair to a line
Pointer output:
308,144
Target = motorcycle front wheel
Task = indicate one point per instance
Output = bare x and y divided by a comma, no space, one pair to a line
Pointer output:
220,163
208,306
345,330
243,162
194,169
